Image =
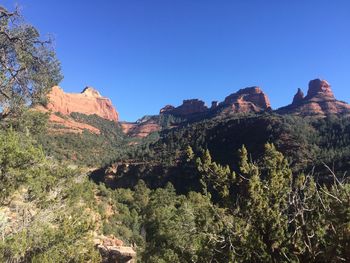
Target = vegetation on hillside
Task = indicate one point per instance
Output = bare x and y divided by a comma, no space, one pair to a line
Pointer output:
252,188
45,208
261,213
87,148
307,143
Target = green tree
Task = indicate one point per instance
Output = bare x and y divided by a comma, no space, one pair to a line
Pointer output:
28,66
216,178
19,158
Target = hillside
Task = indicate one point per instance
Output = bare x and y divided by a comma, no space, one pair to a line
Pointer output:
236,181
90,132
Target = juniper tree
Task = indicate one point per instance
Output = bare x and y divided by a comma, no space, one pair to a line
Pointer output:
28,64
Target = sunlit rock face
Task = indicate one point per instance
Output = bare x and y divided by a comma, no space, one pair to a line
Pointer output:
319,101
88,102
319,88
251,99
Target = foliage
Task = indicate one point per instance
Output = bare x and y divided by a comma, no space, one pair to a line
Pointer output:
30,122
28,64
307,143
261,213
19,159
52,219
87,148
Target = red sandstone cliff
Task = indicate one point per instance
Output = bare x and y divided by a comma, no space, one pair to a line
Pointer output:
188,107
319,101
251,99
142,128
88,102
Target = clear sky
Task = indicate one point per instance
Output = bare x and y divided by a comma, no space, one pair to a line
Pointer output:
145,54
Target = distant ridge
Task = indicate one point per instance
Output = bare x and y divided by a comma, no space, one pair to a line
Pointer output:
319,101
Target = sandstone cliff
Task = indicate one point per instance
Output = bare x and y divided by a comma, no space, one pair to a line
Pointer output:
319,101
88,102
251,99
141,128
188,107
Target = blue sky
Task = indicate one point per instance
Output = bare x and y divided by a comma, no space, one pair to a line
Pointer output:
145,54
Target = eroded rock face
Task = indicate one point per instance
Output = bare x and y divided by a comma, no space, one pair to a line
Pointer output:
141,130
251,99
65,124
188,107
320,101
113,250
88,102
298,97
319,88
214,104
166,109
245,100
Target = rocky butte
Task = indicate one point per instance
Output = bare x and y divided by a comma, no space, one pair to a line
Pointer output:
88,102
188,107
251,99
319,101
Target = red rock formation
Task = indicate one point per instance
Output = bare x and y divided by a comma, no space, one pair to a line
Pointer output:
66,125
251,99
319,88
140,129
188,107
70,126
88,102
166,109
214,104
320,101
298,97
245,100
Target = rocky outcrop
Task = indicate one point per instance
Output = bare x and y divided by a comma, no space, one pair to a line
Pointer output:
319,101
142,128
167,109
64,124
88,102
298,97
251,99
112,250
62,104
69,125
188,107
245,100
319,89
214,104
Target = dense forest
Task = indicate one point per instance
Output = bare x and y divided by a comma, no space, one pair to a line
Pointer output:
240,188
